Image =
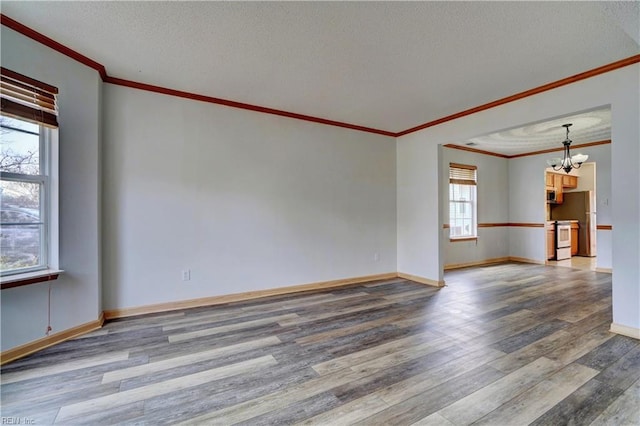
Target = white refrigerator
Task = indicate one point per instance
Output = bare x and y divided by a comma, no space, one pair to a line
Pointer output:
579,206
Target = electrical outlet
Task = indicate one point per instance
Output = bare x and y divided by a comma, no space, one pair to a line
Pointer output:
186,275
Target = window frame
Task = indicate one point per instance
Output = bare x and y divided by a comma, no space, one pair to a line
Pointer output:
45,160
34,101
471,181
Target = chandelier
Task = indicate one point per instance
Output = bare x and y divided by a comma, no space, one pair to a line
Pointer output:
568,162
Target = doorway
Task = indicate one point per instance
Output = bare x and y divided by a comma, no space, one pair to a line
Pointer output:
570,211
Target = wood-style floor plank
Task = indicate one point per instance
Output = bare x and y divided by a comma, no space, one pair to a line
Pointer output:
154,367
625,410
529,405
411,410
505,344
63,367
349,412
480,403
138,394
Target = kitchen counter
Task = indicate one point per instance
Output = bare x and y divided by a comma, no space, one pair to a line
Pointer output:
553,222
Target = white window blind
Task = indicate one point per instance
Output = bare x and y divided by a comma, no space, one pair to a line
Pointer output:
462,174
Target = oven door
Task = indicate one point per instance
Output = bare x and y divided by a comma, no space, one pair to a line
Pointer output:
563,241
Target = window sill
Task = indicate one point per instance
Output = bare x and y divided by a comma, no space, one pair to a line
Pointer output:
455,240
29,278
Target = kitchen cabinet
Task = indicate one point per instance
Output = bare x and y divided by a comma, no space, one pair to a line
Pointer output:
569,181
557,185
574,238
558,182
551,241
549,182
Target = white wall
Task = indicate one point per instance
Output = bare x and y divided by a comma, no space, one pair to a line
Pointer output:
418,200
76,294
493,207
245,201
527,203
420,236
587,176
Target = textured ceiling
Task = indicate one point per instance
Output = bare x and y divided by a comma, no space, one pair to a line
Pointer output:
591,126
385,65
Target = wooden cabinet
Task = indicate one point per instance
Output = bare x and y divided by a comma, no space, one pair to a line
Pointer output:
551,241
557,184
574,238
549,182
569,181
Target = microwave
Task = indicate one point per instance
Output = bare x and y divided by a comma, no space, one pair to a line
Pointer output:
551,196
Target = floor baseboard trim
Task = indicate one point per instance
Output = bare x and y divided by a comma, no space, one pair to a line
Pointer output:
526,260
605,270
492,261
625,330
421,280
54,339
476,263
239,297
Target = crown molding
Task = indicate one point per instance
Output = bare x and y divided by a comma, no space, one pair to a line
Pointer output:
545,151
525,154
234,104
475,150
545,87
41,38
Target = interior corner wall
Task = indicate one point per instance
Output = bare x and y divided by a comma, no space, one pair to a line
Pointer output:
75,295
493,208
244,201
418,197
418,225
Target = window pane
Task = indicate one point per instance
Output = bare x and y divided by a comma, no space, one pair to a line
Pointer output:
464,192
19,124
20,199
19,149
21,228
20,246
462,205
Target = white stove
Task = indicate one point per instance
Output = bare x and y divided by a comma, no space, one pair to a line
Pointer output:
563,239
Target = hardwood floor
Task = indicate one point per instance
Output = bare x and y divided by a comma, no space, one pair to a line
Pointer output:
509,344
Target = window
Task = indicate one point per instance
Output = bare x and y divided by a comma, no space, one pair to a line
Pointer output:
462,201
28,165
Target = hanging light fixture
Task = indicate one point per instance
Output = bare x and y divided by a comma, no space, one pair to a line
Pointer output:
568,162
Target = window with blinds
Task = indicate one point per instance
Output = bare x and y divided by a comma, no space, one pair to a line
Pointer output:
28,161
28,99
463,180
